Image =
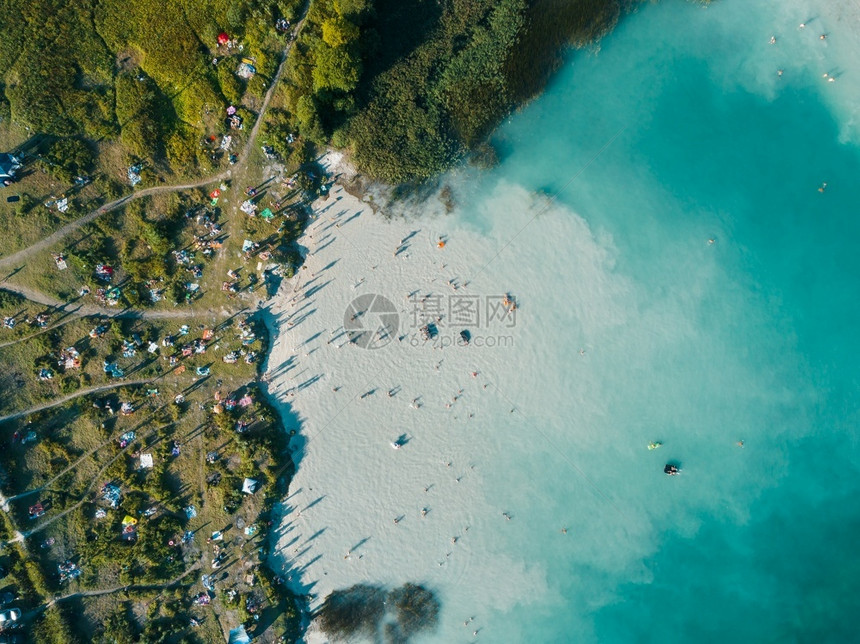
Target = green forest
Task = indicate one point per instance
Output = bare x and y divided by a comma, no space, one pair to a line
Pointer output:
410,86
407,86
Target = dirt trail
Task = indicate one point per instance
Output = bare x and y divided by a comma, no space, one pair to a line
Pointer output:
15,259
72,396
84,310
116,589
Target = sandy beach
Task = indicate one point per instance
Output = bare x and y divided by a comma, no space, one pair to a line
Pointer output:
394,441
484,429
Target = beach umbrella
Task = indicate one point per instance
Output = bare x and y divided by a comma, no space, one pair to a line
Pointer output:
223,38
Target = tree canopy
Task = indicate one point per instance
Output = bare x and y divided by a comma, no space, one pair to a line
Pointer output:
412,85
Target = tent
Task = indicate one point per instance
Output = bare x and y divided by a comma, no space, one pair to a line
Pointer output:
9,165
223,38
246,69
239,635
249,486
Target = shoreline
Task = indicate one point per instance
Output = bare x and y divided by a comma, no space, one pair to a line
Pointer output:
358,510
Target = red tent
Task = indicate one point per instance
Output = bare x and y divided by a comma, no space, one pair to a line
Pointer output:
223,38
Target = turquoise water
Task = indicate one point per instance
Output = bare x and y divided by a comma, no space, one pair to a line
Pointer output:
753,338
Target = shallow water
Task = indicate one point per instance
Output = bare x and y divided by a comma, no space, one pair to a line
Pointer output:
698,345
632,328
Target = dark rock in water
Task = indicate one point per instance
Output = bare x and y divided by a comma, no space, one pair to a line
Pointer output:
357,610
364,610
417,609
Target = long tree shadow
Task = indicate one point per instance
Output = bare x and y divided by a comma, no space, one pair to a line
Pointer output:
396,28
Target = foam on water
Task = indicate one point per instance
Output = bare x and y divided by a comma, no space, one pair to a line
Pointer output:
631,328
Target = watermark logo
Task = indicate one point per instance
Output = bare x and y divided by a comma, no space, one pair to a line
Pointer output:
371,321
462,320
461,310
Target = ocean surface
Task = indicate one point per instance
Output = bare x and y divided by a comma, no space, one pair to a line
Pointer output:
682,279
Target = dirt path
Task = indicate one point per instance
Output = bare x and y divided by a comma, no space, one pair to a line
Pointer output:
77,394
20,536
83,310
20,256
24,338
15,259
116,589
5,500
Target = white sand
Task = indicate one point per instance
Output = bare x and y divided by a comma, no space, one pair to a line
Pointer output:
351,484
348,467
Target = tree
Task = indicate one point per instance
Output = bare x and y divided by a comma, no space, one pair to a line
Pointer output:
309,119
350,7
338,31
337,68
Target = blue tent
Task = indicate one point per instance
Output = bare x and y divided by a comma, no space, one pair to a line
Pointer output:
9,164
239,636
